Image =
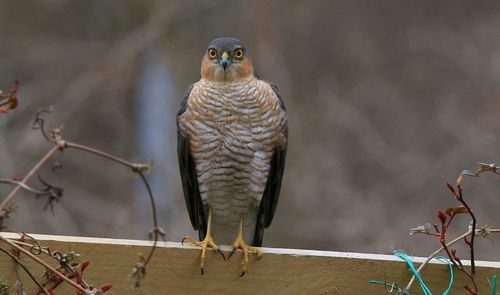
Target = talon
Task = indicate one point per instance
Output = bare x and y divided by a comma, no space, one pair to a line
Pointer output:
221,253
207,242
239,243
231,254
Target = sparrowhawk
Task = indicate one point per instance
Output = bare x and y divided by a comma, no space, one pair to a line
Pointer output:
231,142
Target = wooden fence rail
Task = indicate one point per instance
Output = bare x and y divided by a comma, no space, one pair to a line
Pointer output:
175,270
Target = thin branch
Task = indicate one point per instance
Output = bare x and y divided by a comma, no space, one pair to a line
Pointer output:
133,166
22,185
140,268
33,170
18,262
473,230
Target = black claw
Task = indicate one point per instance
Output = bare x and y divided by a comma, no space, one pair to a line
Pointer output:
182,242
242,274
231,254
222,254
202,271
259,257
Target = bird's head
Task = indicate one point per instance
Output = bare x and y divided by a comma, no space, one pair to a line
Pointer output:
226,60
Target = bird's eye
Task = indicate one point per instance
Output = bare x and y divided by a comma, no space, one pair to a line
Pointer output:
212,53
238,53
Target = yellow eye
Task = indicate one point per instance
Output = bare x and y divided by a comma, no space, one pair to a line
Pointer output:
212,53
238,53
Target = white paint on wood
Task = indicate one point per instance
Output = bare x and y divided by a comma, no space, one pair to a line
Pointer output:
276,251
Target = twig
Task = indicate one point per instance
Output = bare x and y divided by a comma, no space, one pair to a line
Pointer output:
156,230
139,270
133,166
18,262
33,170
473,230
22,185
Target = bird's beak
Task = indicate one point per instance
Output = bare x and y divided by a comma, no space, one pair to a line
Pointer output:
224,60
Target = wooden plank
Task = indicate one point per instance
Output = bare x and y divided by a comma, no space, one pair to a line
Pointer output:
175,270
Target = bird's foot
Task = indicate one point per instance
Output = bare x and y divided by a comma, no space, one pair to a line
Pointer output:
239,243
208,242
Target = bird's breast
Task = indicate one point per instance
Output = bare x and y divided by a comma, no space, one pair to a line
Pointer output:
233,130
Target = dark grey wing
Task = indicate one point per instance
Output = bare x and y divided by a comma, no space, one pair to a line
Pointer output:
272,191
188,175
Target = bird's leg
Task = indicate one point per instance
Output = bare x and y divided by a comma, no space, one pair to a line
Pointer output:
239,243
208,242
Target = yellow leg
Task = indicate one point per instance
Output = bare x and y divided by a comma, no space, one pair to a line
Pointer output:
208,242
239,243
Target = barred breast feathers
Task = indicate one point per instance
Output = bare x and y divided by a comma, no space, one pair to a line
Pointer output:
233,129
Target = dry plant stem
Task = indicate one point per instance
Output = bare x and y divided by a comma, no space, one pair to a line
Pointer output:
138,168
22,185
44,264
458,264
473,231
155,218
38,165
31,246
457,239
66,144
18,262
453,261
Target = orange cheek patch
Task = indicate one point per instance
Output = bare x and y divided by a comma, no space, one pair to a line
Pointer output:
245,69
207,69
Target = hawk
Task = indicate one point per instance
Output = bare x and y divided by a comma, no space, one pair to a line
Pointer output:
231,143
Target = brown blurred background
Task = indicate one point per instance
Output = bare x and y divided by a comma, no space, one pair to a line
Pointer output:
387,101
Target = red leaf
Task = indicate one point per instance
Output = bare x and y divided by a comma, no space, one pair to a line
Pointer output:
471,290
9,100
85,264
106,288
442,217
458,210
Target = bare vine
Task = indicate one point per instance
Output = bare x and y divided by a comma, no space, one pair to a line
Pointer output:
67,271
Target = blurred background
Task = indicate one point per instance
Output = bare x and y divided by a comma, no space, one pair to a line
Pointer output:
387,101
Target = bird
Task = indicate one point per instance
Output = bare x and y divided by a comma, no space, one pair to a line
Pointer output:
232,134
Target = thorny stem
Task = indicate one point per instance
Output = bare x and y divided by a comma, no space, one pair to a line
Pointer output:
18,262
33,170
458,264
435,253
44,264
452,259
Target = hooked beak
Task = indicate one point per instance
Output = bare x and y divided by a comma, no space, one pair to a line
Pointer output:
224,60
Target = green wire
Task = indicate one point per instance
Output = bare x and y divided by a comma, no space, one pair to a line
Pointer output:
401,254
494,284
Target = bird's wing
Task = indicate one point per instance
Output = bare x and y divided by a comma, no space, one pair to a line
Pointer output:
188,175
272,191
